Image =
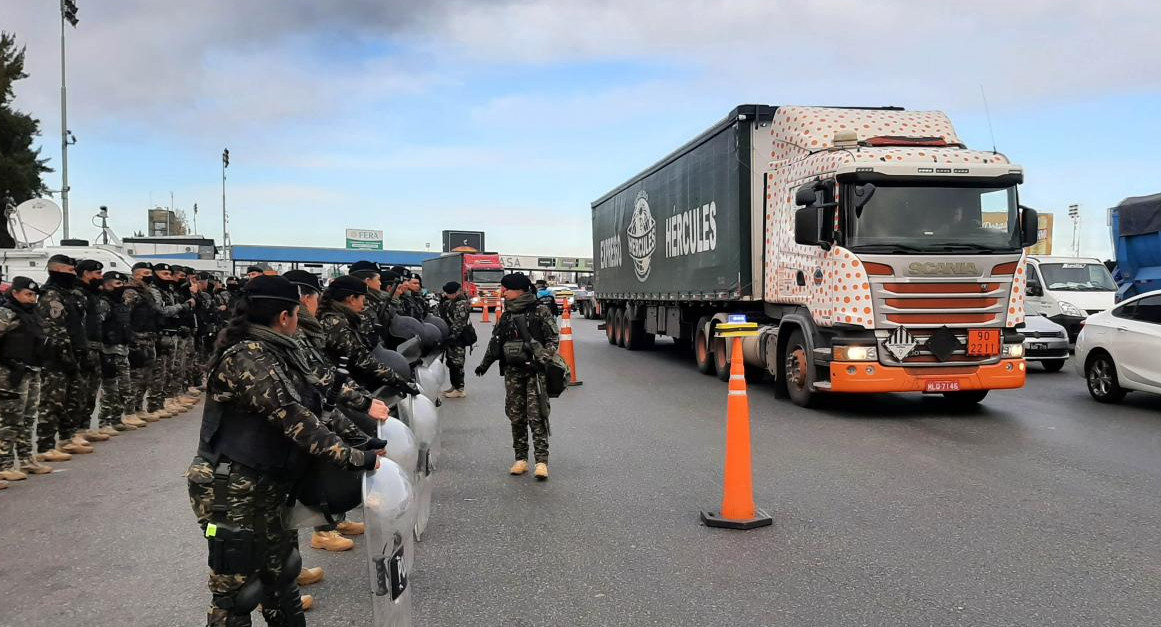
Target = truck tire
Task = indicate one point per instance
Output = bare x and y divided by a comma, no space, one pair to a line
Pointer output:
701,348
799,371
629,339
622,316
721,359
611,328
966,398
635,336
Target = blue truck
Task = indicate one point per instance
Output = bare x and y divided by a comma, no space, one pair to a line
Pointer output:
1135,227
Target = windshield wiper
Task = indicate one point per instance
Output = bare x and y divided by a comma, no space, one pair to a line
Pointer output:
887,248
973,247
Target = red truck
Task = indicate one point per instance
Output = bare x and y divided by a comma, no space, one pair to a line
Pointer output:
479,273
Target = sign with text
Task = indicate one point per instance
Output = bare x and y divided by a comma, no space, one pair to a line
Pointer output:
364,239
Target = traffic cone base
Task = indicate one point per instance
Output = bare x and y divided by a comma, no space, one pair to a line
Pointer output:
715,519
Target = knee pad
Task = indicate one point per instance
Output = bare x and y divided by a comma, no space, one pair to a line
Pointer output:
243,600
290,568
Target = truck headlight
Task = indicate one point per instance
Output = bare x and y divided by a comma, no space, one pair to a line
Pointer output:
1015,351
856,353
1069,309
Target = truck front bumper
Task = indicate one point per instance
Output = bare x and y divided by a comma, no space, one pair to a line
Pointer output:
869,377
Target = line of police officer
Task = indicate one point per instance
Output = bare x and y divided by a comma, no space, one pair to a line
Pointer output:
137,343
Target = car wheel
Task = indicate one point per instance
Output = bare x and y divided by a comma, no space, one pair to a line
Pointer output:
1052,366
1101,374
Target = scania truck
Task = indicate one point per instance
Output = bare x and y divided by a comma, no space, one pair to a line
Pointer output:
478,273
855,237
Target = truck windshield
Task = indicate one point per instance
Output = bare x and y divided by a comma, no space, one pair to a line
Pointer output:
1077,277
486,276
923,219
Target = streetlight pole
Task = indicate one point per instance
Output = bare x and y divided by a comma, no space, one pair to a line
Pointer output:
225,219
1074,213
68,13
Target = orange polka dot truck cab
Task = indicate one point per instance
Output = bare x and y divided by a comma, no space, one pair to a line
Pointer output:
876,252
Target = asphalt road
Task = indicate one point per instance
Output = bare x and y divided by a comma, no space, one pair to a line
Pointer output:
1039,508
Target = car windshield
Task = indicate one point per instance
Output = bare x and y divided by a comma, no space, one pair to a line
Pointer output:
925,219
487,276
1077,277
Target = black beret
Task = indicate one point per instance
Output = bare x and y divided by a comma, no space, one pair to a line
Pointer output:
344,286
253,269
24,283
364,266
401,271
89,265
62,259
271,288
204,276
113,275
304,278
451,287
142,264
388,276
516,281
162,266
231,279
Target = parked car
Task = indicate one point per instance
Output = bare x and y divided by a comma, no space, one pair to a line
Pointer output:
1045,342
1117,350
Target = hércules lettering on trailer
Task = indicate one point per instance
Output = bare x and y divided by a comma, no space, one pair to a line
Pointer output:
855,237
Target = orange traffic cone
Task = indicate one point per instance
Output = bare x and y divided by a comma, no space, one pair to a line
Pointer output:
566,348
738,510
500,308
485,318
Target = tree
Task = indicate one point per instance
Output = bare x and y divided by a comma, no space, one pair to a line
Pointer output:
20,164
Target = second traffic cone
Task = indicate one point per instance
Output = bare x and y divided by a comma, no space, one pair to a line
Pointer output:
566,348
738,510
486,318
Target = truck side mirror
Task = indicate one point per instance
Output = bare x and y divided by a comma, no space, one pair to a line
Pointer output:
808,226
1029,227
806,195
1035,290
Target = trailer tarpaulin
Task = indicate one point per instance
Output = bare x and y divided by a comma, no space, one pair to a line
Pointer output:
1140,215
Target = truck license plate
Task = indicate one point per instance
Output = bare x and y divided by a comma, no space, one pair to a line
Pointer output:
983,342
943,386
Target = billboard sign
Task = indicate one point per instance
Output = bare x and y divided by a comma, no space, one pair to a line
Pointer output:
999,220
364,239
463,241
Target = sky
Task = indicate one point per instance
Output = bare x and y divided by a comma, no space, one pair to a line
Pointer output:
512,116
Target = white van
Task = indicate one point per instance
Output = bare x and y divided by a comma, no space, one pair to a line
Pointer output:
32,262
1067,290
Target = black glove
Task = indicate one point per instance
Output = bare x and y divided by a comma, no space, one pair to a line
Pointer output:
374,444
370,460
481,370
412,389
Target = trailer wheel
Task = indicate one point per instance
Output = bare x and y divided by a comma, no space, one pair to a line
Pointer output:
721,358
626,325
611,326
622,315
799,367
635,336
701,349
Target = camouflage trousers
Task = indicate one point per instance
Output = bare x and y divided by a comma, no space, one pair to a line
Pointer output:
255,505
17,416
90,384
454,357
159,374
140,377
184,362
115,391
61,395
522,404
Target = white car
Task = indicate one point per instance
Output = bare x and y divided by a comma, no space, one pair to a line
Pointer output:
1118,349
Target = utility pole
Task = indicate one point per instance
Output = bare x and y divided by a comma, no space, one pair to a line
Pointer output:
1074,213
225,219
68,13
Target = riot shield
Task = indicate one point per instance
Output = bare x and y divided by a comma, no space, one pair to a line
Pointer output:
388,506
425,426
428,378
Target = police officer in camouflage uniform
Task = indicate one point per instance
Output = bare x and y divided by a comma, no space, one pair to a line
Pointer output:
522,363
21,345
89,273
116,339
144,321
456,310
163,399
188,371
376,316
259,429
62,312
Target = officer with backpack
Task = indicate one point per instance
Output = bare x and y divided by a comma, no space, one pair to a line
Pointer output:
524,341
456,310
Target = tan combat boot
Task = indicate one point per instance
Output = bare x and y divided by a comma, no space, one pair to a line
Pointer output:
76,446
455,394
53,455
310,576
109,432
12,475
33,467
136,420
307,602
331,541
348,528
519,468
93,436
541,471
123,426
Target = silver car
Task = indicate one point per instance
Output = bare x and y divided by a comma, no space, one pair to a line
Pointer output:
1045,342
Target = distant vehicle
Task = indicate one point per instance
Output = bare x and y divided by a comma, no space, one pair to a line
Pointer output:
1117,350
1045,342
585,301
33,262
1135,227
479,274
563,294
1066,290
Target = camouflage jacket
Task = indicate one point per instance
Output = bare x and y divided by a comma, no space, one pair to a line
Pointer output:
311,338
340,325
457,312
541,326
261,375
166,306
63,321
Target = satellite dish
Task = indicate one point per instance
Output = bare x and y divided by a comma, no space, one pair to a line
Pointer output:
35,220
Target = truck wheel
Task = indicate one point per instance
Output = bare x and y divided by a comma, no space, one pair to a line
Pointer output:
611,330
701,350
622,326
635,335
799,371
1052,366
966,398
721,359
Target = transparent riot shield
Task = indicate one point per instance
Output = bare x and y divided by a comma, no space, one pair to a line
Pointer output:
428,378
388,506
425,426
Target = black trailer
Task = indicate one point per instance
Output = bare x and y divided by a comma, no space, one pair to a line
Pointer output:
439,270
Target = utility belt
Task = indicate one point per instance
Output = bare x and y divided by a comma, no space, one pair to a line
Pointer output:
231,549
115,349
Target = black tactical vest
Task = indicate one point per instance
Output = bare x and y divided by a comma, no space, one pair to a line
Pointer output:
24,344
143,317
115,328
